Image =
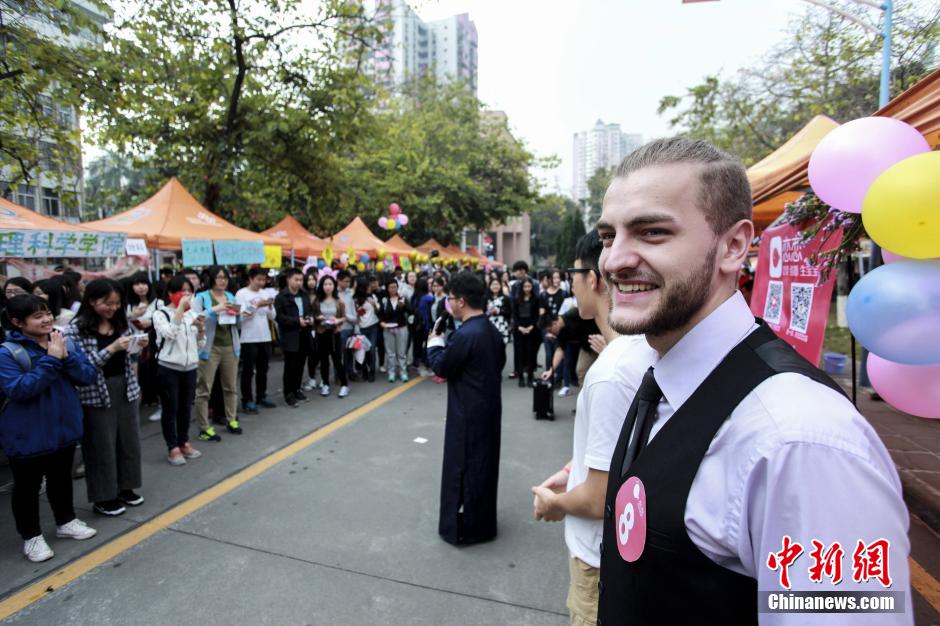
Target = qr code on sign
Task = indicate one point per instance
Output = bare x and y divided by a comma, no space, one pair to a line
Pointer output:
801,303
774,302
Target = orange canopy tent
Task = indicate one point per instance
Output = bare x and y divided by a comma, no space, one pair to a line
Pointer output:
473,252
305,243
16,217
357,236
777,180
397,245
173,214
430,245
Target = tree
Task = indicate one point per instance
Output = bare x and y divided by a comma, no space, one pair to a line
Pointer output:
113,182
597,187
572,230
435,152
44,73
547,220
248,103
828,65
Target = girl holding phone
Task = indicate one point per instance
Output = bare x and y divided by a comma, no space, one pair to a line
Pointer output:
111,441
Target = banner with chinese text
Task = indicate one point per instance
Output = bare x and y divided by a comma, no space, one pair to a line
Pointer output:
52,243
786,294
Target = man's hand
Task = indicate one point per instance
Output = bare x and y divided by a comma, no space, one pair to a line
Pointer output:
547,374
547,505
557,482
597,343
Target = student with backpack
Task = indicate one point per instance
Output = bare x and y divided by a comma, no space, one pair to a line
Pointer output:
41,419
180,337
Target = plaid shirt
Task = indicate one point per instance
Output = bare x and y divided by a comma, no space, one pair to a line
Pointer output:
96,395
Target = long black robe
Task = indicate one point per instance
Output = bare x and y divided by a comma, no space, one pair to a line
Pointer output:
472,363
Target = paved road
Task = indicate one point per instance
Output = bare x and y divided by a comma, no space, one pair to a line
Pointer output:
342,531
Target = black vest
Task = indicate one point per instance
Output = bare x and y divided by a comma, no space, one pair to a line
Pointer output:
672,582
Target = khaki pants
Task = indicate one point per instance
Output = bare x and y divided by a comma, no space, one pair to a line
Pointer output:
223,361
586,359
582,593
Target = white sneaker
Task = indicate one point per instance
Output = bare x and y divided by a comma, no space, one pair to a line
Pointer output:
324,390
37,550
564,392
310,385
343,391
76,529
382,369
156,416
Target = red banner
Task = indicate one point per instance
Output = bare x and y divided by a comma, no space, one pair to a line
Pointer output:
786,294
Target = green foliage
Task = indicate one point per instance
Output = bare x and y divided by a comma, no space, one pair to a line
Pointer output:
547,220
113,182
44,73
813,216
597,187
828,65
572,229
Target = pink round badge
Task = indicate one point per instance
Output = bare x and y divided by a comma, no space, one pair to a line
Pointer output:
630,520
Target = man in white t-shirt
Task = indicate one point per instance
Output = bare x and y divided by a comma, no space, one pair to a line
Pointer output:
257,314
576,492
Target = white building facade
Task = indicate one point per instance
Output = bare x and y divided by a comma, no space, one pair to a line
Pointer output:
412,47
603,146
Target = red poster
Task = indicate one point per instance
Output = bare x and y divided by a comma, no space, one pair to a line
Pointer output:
786,294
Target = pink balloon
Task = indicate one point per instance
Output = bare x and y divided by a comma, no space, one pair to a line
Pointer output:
394,209
849,159
383,222
402,219
914,389
890,257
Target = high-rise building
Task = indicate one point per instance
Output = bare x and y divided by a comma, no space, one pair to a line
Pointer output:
603,146
412,47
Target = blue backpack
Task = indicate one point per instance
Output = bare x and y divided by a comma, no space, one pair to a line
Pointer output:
21,356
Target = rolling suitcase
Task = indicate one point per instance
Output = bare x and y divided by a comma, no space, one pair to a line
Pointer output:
543,402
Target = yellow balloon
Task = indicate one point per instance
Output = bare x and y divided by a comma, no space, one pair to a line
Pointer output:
361,266
381,254
901,211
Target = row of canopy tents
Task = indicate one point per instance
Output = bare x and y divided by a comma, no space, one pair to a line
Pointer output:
782,176
172,214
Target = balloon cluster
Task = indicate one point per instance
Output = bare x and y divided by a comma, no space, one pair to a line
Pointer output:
395,220
884,169
419,258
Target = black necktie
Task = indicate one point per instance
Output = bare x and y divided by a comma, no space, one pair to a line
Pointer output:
647,399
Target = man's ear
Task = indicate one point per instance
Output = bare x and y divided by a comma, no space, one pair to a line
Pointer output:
595,281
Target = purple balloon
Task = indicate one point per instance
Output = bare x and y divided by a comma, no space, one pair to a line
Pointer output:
383,222
914,389
402,219
849,159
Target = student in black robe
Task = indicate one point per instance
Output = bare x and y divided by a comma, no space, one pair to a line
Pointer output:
472,362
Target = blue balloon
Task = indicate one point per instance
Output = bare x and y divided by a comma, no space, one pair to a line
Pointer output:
364,258
321,263
895,312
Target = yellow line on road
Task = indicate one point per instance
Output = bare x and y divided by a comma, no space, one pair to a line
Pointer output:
37,590
925,584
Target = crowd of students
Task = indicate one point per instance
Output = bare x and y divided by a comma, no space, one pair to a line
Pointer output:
80,358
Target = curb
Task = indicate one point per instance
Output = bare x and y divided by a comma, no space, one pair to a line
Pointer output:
921,501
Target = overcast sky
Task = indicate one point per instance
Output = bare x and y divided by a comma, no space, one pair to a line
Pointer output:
558,66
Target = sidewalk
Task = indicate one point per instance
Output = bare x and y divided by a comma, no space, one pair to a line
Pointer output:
914,444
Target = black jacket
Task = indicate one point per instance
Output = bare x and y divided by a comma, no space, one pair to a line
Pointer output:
394,315
293,338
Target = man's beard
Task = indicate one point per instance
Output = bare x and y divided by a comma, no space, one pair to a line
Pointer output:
678,303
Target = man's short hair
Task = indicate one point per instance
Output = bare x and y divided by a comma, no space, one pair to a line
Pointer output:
588,250
724,191
256,271
520,265
342,275
291,271
470,287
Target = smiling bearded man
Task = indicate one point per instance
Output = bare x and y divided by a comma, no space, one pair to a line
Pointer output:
734,446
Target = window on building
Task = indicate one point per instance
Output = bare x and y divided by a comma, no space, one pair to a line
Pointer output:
26,196
65,117
45,102
50,202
